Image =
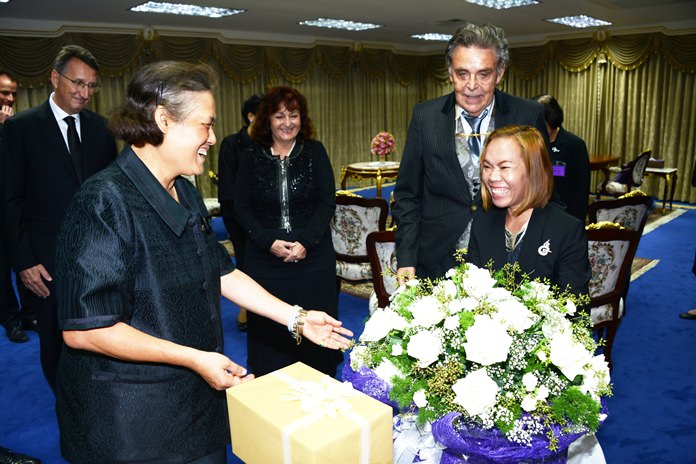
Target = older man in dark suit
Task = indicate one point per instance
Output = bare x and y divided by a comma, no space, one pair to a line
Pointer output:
438,190
47,152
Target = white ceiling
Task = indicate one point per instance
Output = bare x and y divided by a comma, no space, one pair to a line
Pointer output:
276,21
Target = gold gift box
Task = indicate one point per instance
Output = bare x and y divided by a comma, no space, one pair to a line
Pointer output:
269,428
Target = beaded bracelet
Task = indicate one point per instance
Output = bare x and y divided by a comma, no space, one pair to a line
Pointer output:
296,322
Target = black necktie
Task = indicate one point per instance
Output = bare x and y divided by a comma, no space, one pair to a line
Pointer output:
74,146
475,138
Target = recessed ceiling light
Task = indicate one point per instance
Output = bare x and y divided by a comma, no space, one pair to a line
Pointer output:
579,21
183,9
503,4
433,36
339,24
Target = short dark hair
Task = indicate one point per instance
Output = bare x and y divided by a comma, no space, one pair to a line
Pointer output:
553,113
480,36
536,161
250,106
293,100
69,52
7,73
164,83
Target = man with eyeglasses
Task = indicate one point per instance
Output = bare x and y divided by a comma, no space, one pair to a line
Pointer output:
438,190
47,152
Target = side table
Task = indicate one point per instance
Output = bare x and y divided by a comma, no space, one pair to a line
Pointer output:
378,170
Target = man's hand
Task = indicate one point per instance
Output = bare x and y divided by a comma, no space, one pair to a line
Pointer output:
5,113
404,274
33,278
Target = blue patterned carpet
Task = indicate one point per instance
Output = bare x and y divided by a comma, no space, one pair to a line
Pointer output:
651,414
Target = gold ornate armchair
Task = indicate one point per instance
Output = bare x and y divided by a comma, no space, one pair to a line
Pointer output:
355,218
630,211
611,249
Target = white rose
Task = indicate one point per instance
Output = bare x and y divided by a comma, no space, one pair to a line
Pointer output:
424,346
596,373
529,403
539,291
452,323
477,282
568,355
529,380
420,399
542,393
570,308
449,274
412,282
426,312
476,392
381,323
387,371
448,287
553,324
541,354
487,341
397,350
469,303
398,290
514,314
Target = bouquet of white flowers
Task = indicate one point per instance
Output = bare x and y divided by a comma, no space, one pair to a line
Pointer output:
499,358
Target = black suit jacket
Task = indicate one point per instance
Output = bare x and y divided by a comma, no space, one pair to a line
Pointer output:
433,205
39,179
564,235
574,187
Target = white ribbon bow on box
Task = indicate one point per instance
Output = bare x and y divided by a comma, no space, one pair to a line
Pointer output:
326,397
318,399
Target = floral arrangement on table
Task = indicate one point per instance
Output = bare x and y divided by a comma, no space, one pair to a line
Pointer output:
497,367
383,145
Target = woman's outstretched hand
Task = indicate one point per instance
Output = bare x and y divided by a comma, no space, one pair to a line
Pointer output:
324,330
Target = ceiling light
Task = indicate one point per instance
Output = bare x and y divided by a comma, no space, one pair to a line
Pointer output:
433,36
183,9
579,21
4,1
503,4
339,24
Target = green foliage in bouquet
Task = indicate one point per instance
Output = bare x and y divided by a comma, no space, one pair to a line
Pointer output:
496,347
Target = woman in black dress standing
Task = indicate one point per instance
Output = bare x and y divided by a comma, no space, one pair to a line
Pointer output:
284,201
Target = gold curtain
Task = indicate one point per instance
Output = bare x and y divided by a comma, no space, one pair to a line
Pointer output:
621,94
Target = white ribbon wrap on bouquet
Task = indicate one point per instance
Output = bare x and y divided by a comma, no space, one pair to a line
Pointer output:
411,440
318,399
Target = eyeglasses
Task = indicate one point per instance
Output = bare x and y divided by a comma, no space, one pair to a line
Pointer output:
7,93
80,84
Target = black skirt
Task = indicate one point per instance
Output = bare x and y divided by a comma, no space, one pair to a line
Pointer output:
310,283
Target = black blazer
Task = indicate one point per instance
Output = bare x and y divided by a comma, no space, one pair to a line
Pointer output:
39,179
574,187
433,205
549,227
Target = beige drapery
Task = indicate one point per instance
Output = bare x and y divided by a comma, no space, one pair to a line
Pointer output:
620,93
